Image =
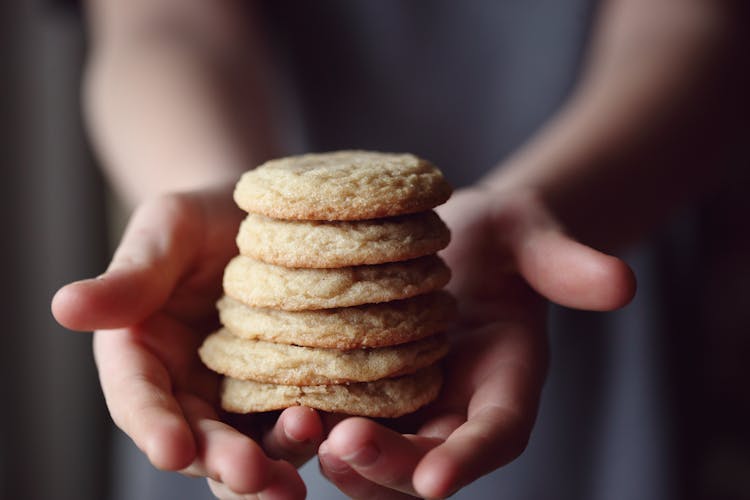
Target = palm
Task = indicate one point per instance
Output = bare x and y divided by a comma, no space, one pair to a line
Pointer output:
169,345
168,338
496,307
174,333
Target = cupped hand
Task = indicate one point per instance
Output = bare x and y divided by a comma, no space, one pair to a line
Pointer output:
509,256
151,309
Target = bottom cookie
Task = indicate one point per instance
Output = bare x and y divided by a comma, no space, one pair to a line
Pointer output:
390,397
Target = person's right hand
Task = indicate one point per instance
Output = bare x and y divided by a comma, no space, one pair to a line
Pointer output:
151,309
509,254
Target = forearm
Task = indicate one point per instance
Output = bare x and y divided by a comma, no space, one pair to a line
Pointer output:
172,104
646,127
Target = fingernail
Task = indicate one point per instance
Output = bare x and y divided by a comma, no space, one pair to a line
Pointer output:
367,455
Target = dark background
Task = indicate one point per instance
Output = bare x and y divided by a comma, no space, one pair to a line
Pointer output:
54,430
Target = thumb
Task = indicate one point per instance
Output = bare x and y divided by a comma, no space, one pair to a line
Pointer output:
156,249
566,271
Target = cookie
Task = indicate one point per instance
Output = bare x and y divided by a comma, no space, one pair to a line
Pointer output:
391,397
259,284
287,364
320,244
342,185
369,325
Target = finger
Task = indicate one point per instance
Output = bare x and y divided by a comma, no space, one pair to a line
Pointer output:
156,249
378,454
488,440
231,458
441,426
501,413
296,435
286,483
351,483
283,486
568,272
138,393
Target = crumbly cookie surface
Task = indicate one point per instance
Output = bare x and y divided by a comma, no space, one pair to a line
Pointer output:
392,397
368,325
259,284
321,244
342,185
287,364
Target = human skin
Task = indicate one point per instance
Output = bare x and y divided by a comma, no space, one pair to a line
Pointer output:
523,236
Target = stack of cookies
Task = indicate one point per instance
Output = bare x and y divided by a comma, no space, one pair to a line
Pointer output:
334,301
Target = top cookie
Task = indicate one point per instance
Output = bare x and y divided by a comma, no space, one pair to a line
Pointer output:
342,185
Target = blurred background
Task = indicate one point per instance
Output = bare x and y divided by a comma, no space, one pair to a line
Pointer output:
54,429
56,438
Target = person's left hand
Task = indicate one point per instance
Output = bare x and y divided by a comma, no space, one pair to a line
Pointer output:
507,254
